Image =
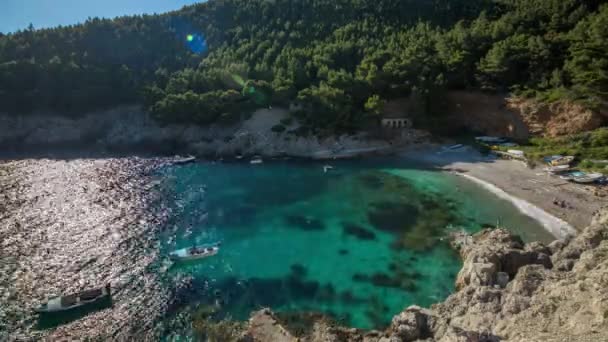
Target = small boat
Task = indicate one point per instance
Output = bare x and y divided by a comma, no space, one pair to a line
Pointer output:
327,168
508,144
557,169
182,161
452,148
588,178
194,253
76,300
517,153
562,161
256,160
491,140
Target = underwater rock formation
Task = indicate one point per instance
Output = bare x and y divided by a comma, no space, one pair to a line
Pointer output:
507,291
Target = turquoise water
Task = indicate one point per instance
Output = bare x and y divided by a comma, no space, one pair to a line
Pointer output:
359,243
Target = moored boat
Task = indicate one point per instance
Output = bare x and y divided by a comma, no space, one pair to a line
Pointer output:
182,161
75,300
194,253
327,168
256,160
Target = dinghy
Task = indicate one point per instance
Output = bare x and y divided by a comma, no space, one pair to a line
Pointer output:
557,169
76,300
562,161
516,153
194,253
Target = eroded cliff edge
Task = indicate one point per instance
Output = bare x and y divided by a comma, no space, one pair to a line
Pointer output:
506,291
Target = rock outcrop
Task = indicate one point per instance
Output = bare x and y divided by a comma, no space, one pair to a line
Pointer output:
506,291
518,117
131,128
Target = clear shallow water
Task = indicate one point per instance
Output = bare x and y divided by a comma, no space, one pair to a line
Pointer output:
359,243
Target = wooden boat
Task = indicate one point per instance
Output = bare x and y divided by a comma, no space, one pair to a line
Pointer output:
183,161
562,161
588,178
557,169
194,253
76,300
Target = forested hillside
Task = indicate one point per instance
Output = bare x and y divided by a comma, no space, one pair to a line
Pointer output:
340,58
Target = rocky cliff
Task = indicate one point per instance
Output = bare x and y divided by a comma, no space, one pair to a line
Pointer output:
506,291
518,117
131,128
503,115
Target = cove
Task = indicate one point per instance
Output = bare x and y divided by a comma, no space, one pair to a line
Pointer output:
358,243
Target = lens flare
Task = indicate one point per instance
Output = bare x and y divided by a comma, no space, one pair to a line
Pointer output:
196,43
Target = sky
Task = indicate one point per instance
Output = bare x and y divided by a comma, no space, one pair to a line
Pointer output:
18,14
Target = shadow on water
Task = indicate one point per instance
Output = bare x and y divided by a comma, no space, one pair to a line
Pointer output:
52,320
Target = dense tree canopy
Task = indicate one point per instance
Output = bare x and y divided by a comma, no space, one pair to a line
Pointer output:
341,59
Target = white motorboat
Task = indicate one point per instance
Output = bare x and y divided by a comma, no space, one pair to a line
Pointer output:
256,160
76,300
327,168
183,161
194,253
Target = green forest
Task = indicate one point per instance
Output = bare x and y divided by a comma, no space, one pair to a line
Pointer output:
340,59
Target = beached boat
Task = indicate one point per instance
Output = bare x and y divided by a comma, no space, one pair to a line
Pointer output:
76,300
256,160
186,160
588,178
194,253
557,169
562,161
517,153
491,140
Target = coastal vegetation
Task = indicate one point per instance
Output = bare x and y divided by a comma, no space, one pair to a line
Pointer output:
590,148
341,59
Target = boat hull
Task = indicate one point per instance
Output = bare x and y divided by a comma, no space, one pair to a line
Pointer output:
55,304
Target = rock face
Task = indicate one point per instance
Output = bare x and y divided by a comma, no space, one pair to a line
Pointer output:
508,291
518,117
131,128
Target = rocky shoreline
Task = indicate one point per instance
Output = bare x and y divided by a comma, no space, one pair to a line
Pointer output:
130,128
506,291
